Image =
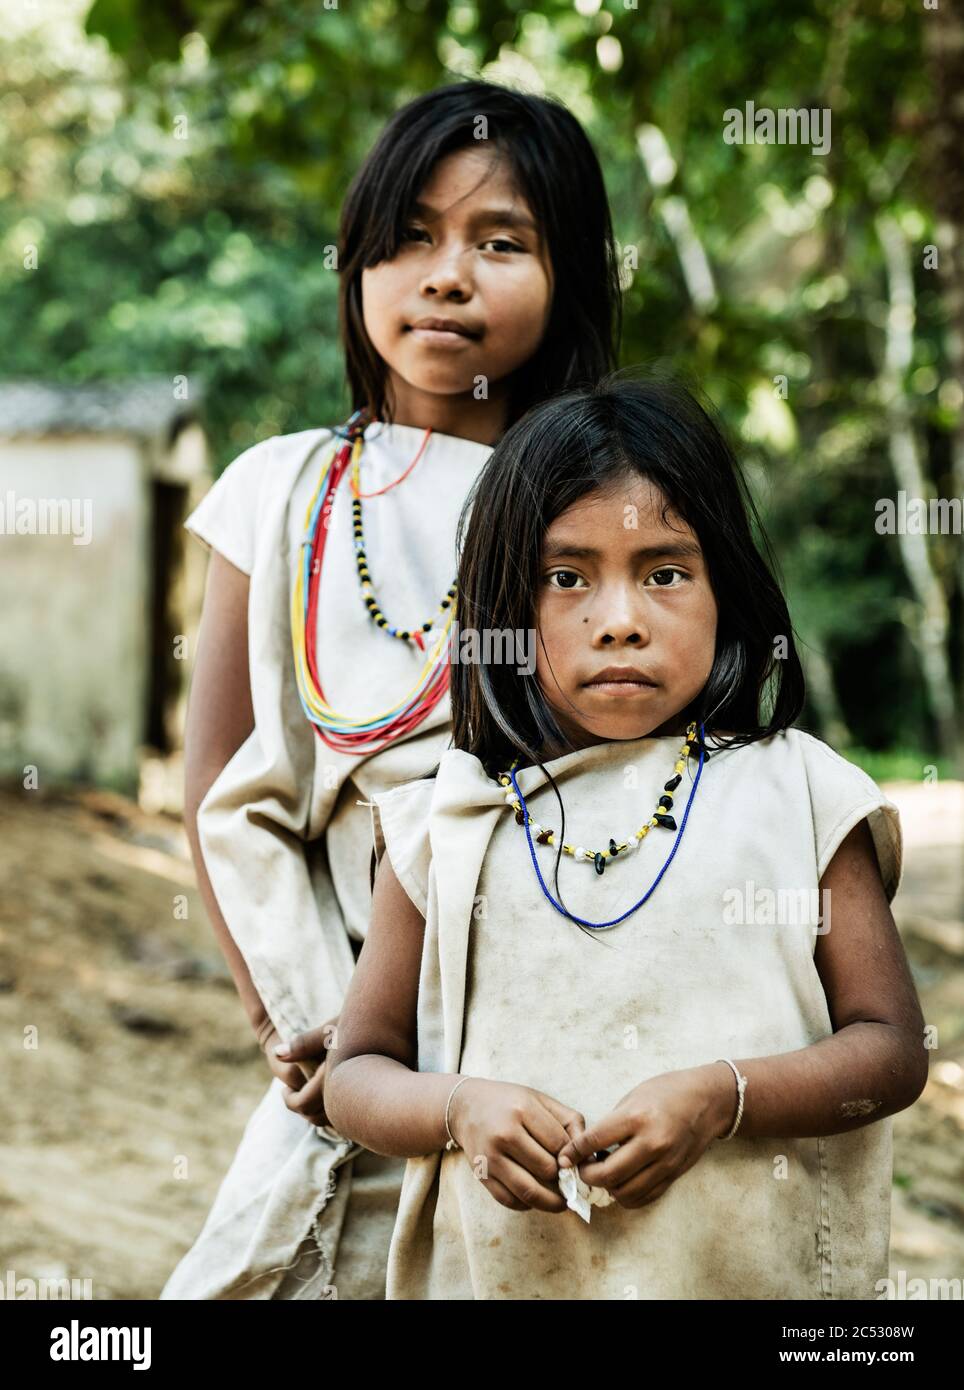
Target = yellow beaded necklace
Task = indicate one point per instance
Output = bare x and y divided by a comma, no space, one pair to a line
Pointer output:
600,858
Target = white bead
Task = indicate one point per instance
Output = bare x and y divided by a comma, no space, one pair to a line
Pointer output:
510,798
581,853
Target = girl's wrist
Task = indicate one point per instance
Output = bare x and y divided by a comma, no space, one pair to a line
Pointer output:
723,1098
453,1112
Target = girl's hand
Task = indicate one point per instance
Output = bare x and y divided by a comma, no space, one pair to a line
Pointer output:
306,1096
267,1038
662,1127
511,1135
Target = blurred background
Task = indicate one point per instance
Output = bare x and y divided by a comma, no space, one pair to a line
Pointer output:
170,183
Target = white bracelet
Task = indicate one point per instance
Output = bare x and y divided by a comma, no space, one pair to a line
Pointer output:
452,1141
741,1087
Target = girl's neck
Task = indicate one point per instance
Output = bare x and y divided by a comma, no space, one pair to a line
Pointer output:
461,416
674,728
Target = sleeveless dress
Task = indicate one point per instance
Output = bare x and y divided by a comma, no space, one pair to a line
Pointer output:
715,964
302,1212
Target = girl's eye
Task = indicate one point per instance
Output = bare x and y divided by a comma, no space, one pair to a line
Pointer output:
500,244
563,574
670,572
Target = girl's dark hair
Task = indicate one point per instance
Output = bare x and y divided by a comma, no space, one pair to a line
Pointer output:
593,437
555,168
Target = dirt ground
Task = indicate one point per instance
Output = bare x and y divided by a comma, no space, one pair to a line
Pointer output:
143,1057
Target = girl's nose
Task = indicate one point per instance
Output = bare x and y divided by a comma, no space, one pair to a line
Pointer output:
448,275
619,618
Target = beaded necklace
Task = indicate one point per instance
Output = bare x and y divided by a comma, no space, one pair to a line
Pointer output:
340,731
364,578
599,858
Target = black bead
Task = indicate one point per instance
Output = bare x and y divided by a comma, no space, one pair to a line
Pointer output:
599,862
666,801
673,783
612,848
666,821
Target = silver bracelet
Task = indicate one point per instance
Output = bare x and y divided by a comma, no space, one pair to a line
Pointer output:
741,1087
453,1143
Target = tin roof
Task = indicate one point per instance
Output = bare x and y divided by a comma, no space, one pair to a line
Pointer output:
141,406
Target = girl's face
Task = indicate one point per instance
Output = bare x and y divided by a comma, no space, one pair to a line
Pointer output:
620,587
472,255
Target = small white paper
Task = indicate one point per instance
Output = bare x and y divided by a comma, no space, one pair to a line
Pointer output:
580,1197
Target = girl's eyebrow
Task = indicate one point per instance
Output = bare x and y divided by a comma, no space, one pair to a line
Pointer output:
507,217
680,550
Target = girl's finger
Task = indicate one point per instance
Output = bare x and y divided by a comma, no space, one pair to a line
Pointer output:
619,1167
503,1195
614,1128
571,1120
646,1187
546,1121
311,1095
534,1156
304,1046
291,1076
527,1188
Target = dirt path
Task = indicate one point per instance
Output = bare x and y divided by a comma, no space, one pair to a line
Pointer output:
143,1057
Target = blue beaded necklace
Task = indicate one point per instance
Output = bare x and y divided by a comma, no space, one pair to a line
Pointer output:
602,926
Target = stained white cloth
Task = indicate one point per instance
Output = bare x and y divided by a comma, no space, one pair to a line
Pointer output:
303,1213
715,964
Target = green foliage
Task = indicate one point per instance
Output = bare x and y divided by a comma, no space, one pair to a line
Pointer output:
180,169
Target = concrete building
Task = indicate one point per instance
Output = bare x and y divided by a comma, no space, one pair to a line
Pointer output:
99,590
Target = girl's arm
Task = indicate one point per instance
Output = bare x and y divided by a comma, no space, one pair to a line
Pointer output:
872,1065
373,1094
875,1062
220,717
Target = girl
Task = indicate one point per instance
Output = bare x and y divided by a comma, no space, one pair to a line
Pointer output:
632,978
467,293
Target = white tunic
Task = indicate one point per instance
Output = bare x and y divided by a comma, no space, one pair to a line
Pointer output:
303,1213
712,965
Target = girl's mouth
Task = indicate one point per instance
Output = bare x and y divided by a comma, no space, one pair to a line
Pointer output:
620,687
443,332
441,337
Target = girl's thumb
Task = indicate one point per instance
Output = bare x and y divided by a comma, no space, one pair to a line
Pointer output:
305,1046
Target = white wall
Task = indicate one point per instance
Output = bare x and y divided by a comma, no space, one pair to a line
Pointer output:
74,617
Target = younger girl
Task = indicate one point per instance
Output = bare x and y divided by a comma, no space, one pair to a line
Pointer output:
477,275
597,939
